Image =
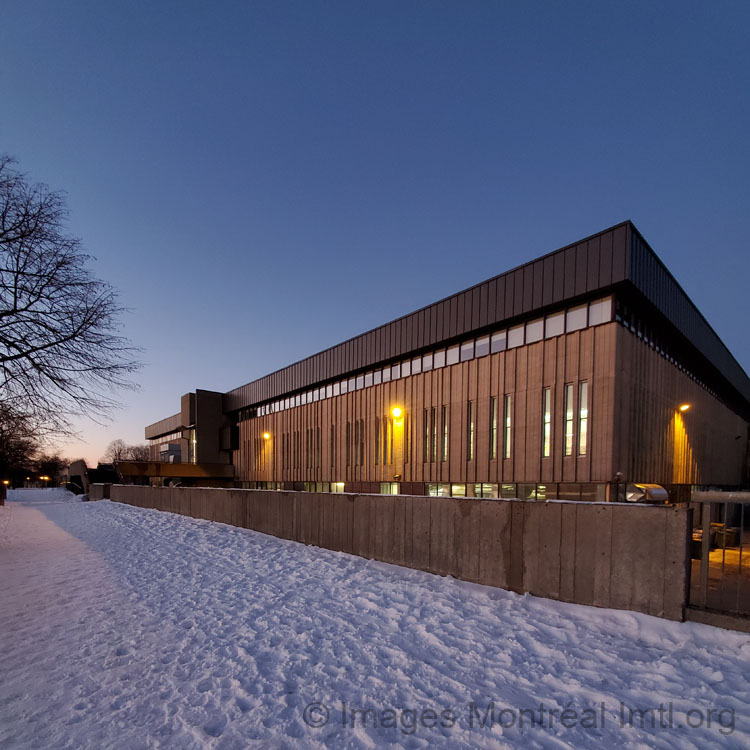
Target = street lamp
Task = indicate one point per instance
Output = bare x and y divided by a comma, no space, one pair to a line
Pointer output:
684,407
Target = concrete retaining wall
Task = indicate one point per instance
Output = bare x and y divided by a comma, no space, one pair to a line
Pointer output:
603,554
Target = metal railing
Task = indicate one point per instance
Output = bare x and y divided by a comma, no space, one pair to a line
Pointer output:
720,552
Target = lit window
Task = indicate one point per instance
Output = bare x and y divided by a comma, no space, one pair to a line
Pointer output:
583,418
569,437
547,422
469,431
507,416
493,428
458,490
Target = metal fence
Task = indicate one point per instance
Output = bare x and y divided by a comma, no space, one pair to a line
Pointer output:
720,552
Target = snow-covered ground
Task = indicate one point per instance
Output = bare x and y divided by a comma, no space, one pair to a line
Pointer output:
130,628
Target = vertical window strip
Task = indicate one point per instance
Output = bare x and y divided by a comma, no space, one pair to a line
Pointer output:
583,417
547,422
508,416
333,446
348,447
469,430
493,428
377,441
361,442
425,437
444,442
569,421
433,430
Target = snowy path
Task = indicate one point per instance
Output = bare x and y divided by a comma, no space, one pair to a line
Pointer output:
128,628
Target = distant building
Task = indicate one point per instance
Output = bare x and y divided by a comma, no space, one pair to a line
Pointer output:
573,376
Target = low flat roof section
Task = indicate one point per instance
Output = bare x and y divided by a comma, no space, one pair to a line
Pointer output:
164,427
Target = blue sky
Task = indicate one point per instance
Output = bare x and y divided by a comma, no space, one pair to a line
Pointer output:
263,180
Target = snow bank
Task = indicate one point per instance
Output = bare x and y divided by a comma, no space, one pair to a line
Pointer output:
127,628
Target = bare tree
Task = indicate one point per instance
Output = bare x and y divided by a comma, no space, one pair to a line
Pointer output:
117,450
61,353
139,452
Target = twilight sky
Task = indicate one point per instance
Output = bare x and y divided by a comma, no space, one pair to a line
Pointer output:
261,180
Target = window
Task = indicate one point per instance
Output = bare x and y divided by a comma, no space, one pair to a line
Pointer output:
547,422
438,359
348,443
377,441
416,366
554,325
389,488
498,342
583,417
356,442
433,433
482,347
600,311
333,446
451,357
515,336
427,362
467,350
469,431
425,436
493,428
534,330
569,437
361,442
508,426
444,441
576,318
406,369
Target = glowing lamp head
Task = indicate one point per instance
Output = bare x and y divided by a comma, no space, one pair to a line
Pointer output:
6,482
396,411
685,407
266,436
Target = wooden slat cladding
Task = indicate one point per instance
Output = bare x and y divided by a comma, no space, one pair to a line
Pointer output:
580,269
653,438
608,555
653,279
521,373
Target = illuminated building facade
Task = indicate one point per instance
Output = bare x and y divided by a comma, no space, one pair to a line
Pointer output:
569,377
